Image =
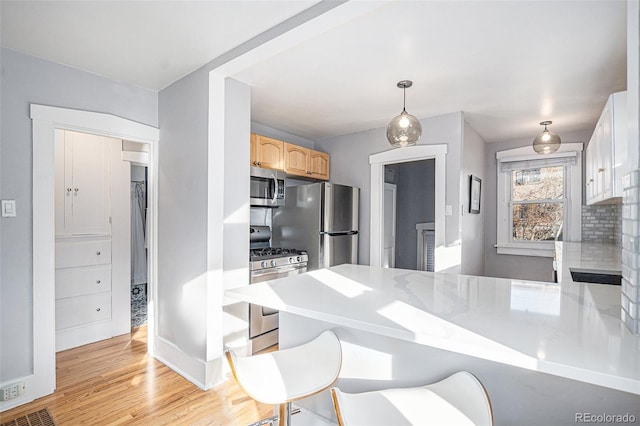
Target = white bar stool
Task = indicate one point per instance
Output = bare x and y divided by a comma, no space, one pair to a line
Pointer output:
460,399
290,374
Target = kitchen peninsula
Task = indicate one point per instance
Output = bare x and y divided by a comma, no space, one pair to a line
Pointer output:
544,351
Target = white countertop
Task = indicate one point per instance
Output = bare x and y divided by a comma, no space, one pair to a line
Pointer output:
569,330
586,256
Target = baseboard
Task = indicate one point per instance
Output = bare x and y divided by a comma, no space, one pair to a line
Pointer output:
77,336
203,374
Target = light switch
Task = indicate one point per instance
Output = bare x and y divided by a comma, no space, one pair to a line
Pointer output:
448,210
8,208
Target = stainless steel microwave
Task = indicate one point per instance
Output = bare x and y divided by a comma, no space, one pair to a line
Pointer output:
267,187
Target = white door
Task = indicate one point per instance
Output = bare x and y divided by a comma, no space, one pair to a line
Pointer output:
389,260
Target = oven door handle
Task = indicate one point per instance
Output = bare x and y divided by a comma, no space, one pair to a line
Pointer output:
278,270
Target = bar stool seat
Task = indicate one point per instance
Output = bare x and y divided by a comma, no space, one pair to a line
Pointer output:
289,374
460,399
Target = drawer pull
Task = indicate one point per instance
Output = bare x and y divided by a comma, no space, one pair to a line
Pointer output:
98,310
97,281
98,253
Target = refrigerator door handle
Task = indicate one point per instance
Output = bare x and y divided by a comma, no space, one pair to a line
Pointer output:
335,234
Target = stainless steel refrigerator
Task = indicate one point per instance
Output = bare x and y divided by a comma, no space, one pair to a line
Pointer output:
321,218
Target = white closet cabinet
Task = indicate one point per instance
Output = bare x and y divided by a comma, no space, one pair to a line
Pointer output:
606,153
83,290
82,184
92,250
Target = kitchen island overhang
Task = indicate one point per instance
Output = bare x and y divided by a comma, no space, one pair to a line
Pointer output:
509,328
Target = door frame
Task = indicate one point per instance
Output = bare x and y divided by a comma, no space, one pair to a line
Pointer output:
45,120
403,155
393,188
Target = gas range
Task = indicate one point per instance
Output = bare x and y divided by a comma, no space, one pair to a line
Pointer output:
273,257
269,263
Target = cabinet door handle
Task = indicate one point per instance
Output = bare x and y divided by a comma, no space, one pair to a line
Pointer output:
98,281
68,189
255,163
600,170
98,253
98,310
76,189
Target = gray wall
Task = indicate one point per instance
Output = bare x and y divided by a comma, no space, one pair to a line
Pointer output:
472,225
509,266
261,129
182,213
25,80
350,166
415,203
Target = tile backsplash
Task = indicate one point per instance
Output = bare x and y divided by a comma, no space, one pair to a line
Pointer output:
630,298
602,224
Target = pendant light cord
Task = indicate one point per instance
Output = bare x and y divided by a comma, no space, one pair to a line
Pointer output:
404,99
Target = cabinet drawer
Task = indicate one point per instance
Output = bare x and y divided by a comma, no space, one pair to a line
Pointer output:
75,311
71,282
70,254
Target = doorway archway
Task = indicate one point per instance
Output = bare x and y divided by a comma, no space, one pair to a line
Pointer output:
45,120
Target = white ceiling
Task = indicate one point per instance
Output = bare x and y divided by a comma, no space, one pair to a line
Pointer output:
148,43
507,64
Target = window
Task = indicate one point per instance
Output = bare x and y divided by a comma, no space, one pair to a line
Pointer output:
537,203
539,200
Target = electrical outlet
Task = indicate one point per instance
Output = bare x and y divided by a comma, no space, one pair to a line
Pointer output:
11,391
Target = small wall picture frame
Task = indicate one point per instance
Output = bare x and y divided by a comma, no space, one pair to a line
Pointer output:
475,186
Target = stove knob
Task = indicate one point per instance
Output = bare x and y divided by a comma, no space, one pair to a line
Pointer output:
291,260
298,259
263,264
273,263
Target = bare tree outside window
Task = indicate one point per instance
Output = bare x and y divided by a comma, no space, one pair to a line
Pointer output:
537,200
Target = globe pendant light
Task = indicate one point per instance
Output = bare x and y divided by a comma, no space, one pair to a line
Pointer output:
546,142
404,129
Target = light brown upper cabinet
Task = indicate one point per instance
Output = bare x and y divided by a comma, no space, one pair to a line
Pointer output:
267,152
305,162
319,164
295,160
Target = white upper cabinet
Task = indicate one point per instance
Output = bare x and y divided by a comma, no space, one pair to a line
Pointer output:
82,184
607,152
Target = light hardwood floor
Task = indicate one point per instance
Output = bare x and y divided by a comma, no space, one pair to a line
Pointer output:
115,382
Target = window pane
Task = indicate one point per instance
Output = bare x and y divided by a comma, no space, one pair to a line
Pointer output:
536,221
543,183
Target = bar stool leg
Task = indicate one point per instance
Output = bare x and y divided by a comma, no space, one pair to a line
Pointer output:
284,414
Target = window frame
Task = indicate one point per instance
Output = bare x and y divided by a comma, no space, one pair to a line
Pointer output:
572,201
